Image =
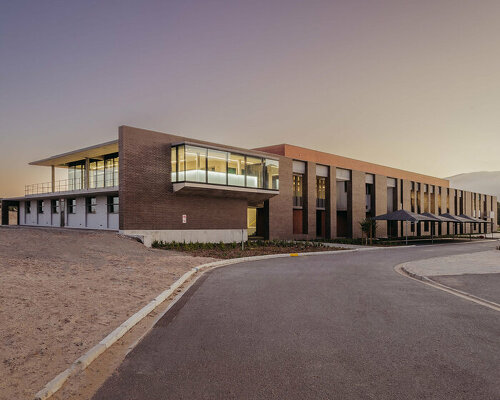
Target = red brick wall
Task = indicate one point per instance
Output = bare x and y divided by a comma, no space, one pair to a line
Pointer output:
281,206
147,200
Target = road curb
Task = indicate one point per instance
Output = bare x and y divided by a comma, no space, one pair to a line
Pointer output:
88,357
403,270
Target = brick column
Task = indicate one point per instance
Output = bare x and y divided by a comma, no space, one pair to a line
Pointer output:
406,205
310,199
357,202
381,203
281,206
331,205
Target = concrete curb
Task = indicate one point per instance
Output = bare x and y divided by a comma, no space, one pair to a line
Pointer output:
86,359
403,270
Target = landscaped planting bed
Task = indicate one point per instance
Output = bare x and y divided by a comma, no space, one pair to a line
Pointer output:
235,250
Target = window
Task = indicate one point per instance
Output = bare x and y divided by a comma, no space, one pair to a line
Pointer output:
111,171
217,167
173,163
320,192
196,164
27,206
40,206
113,204
236,170
181,164
104,173
55,206
71,206
255,172
297,190
91,203
76,173
272,174
342,188
412,197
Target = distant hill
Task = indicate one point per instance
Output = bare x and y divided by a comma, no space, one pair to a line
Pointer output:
486,182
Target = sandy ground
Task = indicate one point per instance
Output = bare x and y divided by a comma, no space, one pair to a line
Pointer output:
62,291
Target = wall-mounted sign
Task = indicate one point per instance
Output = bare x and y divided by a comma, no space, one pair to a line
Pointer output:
492,214
184,218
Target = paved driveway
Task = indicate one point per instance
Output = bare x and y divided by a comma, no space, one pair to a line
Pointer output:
345,326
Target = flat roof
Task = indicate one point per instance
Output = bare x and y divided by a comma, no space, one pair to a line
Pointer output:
79,154
320,157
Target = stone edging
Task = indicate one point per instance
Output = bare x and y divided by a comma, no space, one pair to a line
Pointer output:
403,270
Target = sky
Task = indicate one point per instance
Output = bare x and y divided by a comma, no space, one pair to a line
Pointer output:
409,84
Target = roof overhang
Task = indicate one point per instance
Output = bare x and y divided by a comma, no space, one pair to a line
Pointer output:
253,196
95,151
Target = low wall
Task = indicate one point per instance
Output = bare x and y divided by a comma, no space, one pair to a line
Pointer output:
189,235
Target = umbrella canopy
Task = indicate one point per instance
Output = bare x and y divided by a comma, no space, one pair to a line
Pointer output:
472,219
435,218
456,218
403,215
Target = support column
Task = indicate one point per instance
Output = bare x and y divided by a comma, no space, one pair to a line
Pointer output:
53,178
86,176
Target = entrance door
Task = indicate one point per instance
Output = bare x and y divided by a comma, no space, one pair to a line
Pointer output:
251,221
320,223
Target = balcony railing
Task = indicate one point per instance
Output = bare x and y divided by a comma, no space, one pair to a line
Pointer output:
64,185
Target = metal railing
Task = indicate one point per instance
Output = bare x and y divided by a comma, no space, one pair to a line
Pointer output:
64,185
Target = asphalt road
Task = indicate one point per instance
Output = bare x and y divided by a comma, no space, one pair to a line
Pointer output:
345,326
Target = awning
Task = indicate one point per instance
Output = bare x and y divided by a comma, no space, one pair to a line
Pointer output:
456,218
435,217
403,215
473,220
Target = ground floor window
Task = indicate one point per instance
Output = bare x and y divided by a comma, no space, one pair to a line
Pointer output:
55,206
27,206
40,206
113,204
91,203
71,206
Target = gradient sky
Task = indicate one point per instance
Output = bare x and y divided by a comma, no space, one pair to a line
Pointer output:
409,84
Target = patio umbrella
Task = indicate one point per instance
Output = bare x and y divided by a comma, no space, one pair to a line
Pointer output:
404,215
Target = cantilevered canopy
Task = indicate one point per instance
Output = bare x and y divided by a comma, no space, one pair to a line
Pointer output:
403,215
76,155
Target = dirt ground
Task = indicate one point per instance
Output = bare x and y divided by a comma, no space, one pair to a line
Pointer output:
62,291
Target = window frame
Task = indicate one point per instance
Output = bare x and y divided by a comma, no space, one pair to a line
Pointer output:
113,207
54,206
91,207
180,173
40,205
71,206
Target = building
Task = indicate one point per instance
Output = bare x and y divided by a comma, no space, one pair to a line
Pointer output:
164,187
